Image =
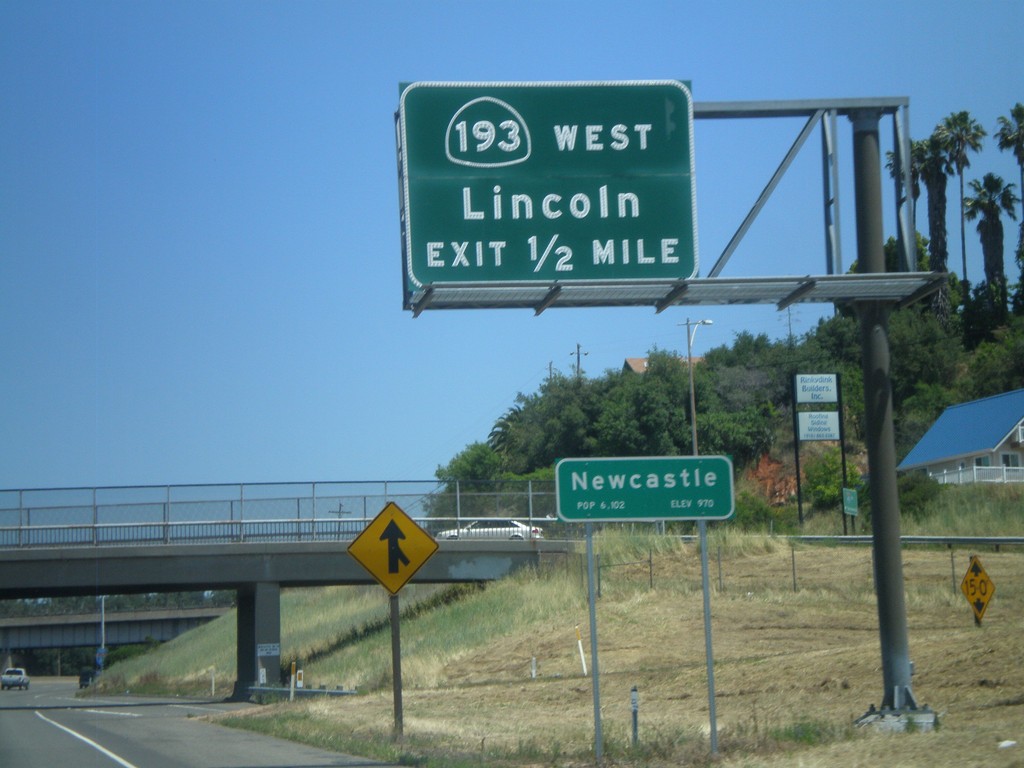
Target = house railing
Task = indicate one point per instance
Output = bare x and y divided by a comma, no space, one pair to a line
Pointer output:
969,475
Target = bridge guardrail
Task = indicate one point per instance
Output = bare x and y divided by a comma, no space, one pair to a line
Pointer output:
260,512
214,532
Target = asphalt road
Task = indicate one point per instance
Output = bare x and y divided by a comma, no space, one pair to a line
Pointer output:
47,726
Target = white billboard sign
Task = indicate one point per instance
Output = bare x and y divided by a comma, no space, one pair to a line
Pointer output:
817,388
822,425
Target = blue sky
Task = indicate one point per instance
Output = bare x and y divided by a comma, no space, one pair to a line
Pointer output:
200,268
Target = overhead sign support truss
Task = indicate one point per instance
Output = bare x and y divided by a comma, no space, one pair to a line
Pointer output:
872,292
824,113
833,286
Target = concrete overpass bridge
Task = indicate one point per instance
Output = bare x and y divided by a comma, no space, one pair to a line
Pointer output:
77,630
65,542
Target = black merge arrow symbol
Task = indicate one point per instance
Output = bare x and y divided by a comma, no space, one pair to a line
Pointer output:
394,534
975,568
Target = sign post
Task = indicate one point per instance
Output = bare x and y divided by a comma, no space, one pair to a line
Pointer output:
978,588
649,489
817,389
392,548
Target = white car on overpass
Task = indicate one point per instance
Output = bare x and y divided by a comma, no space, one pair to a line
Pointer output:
493,528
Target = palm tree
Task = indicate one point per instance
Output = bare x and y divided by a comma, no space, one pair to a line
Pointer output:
914,187
991,196
501,435
933,168
960,132
1011,137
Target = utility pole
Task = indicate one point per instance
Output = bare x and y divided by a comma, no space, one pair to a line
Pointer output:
579,352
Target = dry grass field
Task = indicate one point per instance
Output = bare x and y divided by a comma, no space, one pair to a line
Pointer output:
794,668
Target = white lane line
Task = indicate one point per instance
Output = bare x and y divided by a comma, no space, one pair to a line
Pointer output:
115,714
120,761
196,706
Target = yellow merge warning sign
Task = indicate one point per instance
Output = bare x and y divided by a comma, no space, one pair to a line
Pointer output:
392,548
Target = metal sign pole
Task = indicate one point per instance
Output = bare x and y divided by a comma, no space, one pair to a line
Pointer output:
703,528
842,438
396,665
796,453
594,677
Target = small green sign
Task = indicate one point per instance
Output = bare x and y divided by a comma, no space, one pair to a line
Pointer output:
546,182
645,488
850,501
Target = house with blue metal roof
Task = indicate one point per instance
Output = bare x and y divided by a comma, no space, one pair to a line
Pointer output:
979,441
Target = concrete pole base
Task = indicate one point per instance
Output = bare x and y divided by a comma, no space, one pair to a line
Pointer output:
898,720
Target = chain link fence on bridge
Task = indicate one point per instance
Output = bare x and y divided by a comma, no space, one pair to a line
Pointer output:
256,512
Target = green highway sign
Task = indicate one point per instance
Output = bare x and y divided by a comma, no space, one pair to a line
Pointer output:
546,182
850,504
645,488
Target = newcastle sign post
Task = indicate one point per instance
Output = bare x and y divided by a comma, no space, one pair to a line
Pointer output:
646,489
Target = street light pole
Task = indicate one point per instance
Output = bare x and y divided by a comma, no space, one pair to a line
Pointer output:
689,361
702,528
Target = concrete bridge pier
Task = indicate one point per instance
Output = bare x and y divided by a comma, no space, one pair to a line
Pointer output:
259,637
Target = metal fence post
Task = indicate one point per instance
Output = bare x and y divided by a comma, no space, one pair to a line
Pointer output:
529,501
313,512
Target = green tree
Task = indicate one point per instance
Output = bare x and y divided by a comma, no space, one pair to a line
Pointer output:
923,353
745,435
961,133
823,479
551,424
1010,135
990,197
1018,294
753,371
914,186
1011,138
645,415
919,412
997,365
934,170
477,461
474,473
500,438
